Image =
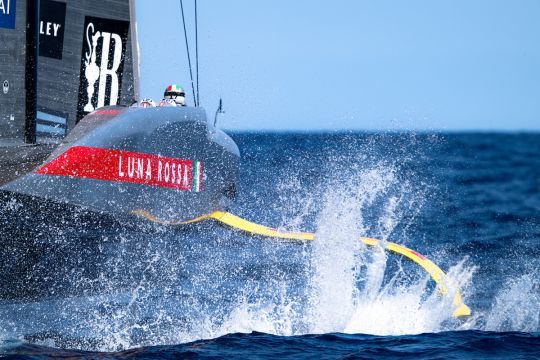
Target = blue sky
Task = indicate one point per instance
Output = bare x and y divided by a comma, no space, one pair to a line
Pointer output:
374,65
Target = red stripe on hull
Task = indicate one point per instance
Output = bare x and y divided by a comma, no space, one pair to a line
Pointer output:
122,166
109,112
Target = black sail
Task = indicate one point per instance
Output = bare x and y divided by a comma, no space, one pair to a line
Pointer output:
86,60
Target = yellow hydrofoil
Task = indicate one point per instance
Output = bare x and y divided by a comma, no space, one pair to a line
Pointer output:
460,309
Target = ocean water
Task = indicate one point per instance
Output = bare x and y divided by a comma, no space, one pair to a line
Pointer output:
75,284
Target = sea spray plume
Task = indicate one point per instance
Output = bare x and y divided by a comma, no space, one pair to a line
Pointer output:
377,188
342,296
265,314
283,313
337,253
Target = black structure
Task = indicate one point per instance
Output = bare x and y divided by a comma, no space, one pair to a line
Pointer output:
62,64
31,70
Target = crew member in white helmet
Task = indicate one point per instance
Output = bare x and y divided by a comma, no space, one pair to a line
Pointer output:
146,103
174,94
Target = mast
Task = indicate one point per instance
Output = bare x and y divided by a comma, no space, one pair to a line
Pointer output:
135,51
31,70
197,52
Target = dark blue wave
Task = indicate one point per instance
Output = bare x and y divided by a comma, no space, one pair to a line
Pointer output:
445,345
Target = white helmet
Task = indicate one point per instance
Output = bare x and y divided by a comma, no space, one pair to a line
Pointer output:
176,93
167,102
146,103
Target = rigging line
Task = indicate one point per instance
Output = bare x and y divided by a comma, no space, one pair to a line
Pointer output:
187,50
197,52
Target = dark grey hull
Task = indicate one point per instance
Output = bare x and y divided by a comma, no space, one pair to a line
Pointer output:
165,161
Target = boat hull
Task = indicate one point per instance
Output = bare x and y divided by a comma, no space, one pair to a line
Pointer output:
167,161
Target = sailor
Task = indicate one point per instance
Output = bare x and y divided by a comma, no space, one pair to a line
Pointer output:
167,102
176,94
146,103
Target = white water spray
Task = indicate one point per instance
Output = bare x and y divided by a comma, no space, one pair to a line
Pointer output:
517,306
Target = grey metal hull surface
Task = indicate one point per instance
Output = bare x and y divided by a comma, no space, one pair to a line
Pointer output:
166,161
